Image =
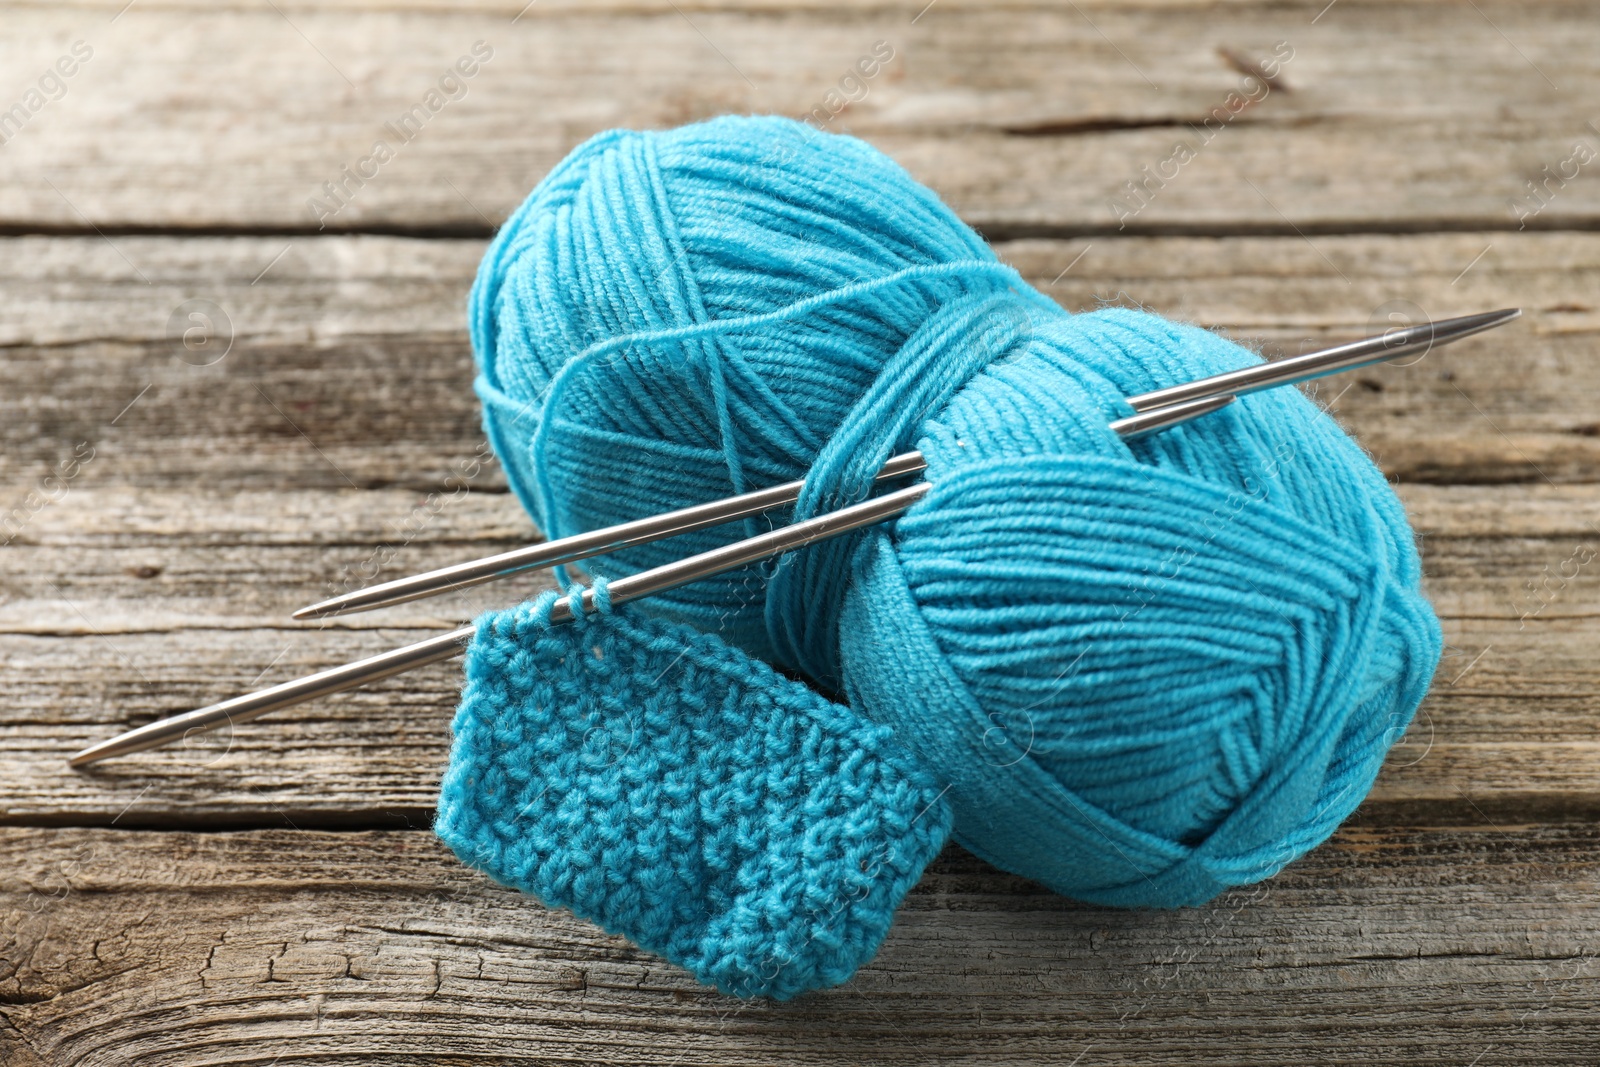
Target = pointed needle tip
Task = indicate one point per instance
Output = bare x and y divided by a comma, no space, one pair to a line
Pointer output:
1445,331
324,609
1490,319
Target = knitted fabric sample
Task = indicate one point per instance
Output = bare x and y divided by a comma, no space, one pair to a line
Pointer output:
672,789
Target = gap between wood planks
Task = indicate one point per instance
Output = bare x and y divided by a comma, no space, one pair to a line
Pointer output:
994,232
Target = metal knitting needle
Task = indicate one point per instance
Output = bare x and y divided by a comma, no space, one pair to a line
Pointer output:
580,546
644,583
1384,346
713,513
611,538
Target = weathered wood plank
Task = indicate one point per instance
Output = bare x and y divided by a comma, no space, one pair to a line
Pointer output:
1027,117
127,605
206,499
1399,946
349,363
324,363
162,578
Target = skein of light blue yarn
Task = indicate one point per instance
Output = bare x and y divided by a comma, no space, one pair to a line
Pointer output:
1147,671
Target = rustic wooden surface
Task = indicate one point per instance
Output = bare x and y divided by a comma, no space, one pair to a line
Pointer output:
275,895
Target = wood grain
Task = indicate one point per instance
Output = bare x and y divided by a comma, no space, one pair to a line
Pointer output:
128,605
1397,945
273,894
349,366
1410,116
226,496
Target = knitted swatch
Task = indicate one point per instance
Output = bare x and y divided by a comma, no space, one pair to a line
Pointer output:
672,789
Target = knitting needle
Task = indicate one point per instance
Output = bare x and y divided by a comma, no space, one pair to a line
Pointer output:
598,542
1376,349
581,546
611,538
632,587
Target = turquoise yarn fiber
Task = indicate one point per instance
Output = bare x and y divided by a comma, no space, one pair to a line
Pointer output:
735,822
1141,672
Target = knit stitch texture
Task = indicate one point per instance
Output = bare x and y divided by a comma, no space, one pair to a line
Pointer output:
672,789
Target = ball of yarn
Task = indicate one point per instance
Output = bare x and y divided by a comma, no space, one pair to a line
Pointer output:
1146,671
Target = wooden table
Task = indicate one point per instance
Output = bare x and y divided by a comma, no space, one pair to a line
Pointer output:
276,896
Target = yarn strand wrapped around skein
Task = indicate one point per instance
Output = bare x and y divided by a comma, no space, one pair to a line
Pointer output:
1143,671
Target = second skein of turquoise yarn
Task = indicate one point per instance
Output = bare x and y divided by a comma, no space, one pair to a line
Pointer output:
1146,671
